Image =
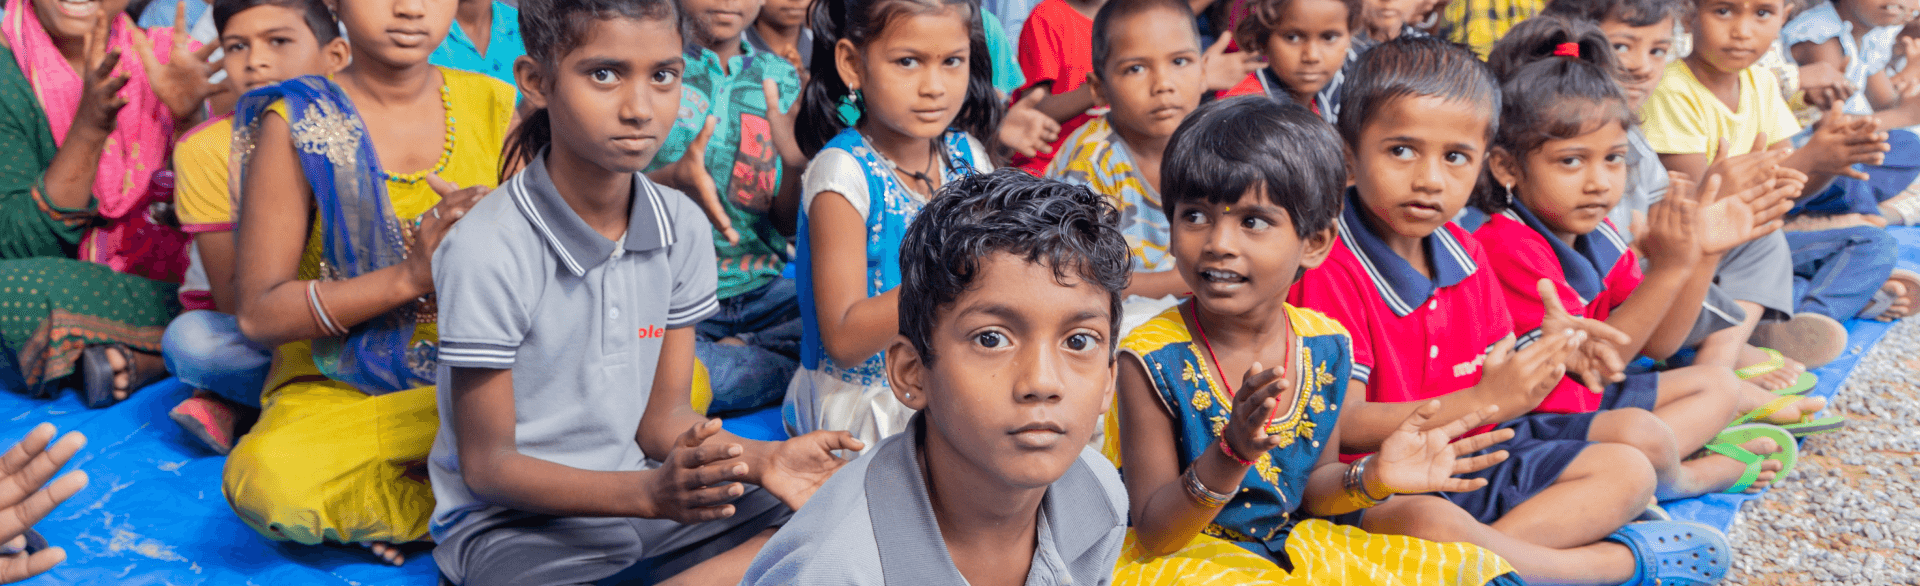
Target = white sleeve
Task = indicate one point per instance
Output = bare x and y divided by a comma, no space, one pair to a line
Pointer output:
981,162
837,171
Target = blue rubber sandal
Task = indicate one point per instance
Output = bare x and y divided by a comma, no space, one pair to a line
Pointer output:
1674,553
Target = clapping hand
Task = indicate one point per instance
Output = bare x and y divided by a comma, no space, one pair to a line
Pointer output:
689,174
800,465
1224,70
183,81
1413,461
101,103
698,479
1025,129
1596,360
1253,406
26,497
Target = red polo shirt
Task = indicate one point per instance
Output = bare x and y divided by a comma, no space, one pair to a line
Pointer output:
1414,337
1593,275
1056,45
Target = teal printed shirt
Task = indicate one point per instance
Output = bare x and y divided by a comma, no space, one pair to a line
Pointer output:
740,155
503,46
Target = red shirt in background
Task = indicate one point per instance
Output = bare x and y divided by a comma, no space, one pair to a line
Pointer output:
1056,45
1593,276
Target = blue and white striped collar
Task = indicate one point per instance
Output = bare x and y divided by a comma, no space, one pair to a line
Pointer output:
1402,287
1585,263
573,241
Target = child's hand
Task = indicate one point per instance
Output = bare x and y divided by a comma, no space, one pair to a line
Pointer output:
689,175
1026,129
1532,372
1824,84
1771,207
1740,172
800,465
697,480
100,105
1253,405
1412,461
1671,238
1841,141
1224,70
182,83
1728,222
782,125
1596,360
454,203
26,496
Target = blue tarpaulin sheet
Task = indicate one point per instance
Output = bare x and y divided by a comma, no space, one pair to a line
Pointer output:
153,512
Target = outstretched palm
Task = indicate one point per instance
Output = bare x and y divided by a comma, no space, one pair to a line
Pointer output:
26,496
800,465
1416,461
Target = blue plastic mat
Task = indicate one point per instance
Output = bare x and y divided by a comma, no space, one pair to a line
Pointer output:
1718,510
153,513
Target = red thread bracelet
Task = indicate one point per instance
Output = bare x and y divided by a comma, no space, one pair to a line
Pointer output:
1228,450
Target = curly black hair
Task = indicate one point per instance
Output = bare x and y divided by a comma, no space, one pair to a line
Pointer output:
1068,228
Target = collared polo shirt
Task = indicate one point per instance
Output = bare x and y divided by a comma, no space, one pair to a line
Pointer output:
873,523
503,46
525,285
1414,337
1593,275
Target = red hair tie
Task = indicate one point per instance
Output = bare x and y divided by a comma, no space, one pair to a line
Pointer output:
1567,50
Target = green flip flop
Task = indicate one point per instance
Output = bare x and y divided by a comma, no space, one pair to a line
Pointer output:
1728,444
1808,424
1775,361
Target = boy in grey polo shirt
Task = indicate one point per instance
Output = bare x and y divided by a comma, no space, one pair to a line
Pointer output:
1009,300
567,449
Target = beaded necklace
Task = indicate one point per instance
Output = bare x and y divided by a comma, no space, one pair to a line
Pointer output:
446,152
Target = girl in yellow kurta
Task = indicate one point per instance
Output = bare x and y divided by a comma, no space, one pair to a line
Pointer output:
338,256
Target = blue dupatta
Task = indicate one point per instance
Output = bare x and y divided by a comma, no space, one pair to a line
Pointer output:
359,233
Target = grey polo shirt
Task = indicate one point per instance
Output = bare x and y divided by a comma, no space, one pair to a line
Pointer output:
872,524
524,284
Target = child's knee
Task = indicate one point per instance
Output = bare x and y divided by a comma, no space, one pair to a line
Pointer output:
1638,429
1625,469
1712,387
1427,517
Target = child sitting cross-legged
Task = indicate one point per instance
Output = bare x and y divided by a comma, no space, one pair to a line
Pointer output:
1220,467
567,449
1429,321
1148,70
1010,296
267,41
1557,169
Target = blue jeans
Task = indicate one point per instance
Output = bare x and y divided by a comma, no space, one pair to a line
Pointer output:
205,350
1836,272
756,374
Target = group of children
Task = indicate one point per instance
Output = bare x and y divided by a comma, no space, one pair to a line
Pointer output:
488,275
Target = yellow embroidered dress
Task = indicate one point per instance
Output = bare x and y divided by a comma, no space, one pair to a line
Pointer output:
1262,532
327,461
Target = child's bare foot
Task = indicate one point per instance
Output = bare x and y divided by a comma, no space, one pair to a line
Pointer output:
1901,295
1714,472
388,552
1780,378
144,366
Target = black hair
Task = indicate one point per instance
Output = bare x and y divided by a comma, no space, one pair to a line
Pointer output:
1415,66
1547,94
552,28
319,18
1073,230
1635,13
862,21
1265,16
1226,147
1115,10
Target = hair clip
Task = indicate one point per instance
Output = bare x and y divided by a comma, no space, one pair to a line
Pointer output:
1567,50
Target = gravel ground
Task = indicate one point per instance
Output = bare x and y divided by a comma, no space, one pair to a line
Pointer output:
1848,513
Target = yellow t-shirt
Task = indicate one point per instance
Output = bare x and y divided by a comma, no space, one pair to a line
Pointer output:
482,108
201,175
1684,117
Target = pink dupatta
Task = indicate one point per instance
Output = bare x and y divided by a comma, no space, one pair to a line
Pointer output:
126,239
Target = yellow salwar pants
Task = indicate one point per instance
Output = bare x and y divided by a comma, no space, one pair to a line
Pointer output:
1322,553
327,462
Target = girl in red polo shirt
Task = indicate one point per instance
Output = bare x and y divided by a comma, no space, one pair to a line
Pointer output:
1557,168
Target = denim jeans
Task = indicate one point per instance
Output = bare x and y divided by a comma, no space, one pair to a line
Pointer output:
753,375
205,350
1836,272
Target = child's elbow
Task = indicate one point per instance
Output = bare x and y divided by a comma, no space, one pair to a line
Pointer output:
1157,544
255,328
844,353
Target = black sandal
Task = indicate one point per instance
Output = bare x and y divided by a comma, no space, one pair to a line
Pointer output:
35,543
97,375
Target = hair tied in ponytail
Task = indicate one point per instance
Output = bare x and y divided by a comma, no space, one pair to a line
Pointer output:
1567,50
